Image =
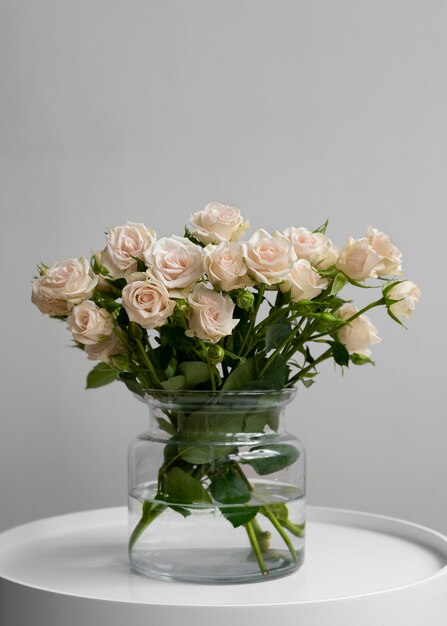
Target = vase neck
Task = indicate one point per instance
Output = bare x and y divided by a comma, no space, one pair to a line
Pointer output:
213,417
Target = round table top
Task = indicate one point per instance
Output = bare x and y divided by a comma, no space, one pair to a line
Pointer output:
349,556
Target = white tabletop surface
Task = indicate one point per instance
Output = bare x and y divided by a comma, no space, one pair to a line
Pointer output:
350,557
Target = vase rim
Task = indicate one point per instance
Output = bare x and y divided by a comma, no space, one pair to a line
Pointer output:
155,396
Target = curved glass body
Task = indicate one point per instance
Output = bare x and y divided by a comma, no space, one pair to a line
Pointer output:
216,488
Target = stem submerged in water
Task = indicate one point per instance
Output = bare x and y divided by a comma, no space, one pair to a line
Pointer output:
256,549
150,512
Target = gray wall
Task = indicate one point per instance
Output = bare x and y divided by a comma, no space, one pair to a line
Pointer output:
294,111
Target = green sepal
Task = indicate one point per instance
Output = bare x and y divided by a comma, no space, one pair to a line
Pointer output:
322,229
361,359
340,281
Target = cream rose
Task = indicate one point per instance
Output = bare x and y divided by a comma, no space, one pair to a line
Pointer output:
103,350
390,255
358,259
407,294
218,222
147,303
124,245
303,282
314,247
358,334
210,315
177,263
46,304
269,258
89,323
65,284
225,266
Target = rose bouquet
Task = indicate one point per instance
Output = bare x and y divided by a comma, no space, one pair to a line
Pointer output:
177,317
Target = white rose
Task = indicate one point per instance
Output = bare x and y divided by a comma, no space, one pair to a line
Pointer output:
390,255
89,323
124,245
225,266
46,304
103,350
66,283
303,282
358,259
147,303
218,222
408,295
269,258
210,315
358,334
314,247
177,263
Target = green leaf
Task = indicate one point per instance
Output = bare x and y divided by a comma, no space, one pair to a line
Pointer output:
340,281
195,372
242,376
166,426
229,488
247,375
120,362
275,335
132,384
102,374
174,384
204,425
200,454
181,488
174,336
340,353
239,515
180,509
271,458
257,420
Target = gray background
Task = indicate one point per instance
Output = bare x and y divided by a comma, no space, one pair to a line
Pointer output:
115,110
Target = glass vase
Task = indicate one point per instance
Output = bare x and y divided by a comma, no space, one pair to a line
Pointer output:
217,488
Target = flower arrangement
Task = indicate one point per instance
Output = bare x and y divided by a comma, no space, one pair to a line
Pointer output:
182,312
206,312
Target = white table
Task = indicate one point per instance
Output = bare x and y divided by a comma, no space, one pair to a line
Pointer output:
359,570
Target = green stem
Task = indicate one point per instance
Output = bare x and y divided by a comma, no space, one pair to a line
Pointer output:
263,536
278,350
266,511
150,512
256,308
148,362
317,361
256,549
366,308
296,530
